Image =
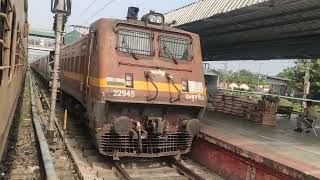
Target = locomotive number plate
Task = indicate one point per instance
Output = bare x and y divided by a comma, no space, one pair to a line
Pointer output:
123,93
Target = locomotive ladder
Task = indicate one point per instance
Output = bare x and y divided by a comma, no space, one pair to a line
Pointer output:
7,28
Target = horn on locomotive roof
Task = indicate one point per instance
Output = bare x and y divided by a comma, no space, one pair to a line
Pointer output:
132,13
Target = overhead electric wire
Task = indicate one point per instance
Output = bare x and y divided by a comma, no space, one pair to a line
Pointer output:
85,10
100,10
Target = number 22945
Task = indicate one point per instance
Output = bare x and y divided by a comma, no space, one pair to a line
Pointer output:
123,93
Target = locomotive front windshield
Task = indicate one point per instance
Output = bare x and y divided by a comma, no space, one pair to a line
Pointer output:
174,47
137,42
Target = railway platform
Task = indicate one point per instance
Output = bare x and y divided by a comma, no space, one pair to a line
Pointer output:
253,151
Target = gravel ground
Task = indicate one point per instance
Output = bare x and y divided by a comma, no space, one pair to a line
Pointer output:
22,157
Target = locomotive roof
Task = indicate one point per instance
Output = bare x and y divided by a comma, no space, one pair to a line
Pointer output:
132,22
141,23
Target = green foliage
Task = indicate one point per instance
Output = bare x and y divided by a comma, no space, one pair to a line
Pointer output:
244,76
296,75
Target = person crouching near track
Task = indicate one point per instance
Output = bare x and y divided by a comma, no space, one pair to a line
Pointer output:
307,117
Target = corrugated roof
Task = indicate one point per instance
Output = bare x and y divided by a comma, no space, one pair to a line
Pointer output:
42,33
71,37
203,9
252,29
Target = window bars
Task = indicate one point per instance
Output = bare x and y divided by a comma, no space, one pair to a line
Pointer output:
174,47
135,42
5,10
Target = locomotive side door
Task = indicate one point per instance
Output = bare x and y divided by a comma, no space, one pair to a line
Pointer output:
86,68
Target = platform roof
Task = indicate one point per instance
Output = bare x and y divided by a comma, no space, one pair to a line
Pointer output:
253,29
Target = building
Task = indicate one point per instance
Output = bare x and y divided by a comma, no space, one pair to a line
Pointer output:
211,77
278,85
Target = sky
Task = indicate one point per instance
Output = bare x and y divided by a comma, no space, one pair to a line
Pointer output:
40,17
268,67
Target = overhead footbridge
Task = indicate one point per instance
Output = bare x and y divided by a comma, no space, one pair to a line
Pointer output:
252,29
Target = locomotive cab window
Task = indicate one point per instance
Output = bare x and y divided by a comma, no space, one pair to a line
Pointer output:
135,42
176,48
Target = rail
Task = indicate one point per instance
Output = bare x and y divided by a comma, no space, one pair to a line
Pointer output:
120,171
45,153
184,170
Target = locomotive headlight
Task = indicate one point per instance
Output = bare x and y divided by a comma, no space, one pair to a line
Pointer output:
184,85
158,20
129,80
153,18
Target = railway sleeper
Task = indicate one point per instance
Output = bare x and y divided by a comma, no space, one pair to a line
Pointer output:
163,177
87,147
99,165
90,152
152,171
94,158
105,173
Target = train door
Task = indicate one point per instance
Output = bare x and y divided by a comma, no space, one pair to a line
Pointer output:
86,71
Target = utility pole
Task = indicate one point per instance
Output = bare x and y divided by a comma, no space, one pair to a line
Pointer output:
227,74
259,76
62,9
306,85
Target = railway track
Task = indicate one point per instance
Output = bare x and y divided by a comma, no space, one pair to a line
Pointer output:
86,163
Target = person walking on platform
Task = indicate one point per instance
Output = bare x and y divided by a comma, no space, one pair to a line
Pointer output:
307,117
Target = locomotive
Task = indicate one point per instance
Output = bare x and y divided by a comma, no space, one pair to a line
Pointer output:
138,84
13,61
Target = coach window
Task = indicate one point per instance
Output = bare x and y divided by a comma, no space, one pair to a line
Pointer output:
78,64
69,64
62,64
75,64
65,64
1,46
72,64
13,45
81,64
17,54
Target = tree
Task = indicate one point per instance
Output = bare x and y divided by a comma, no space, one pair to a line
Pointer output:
244,76
296,75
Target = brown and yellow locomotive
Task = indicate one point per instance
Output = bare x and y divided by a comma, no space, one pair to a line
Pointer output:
139,83
13,60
